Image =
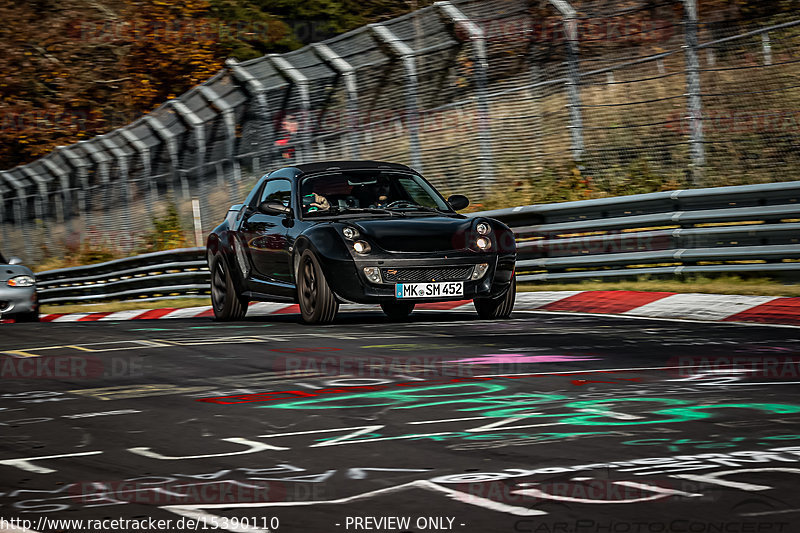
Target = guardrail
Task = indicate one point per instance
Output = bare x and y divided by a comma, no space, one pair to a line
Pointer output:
744,229
180,272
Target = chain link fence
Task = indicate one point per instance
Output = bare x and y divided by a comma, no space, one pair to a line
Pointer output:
484,97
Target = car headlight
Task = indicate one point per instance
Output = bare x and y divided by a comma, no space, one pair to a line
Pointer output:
480,270
350,233
483,228
21,281
362,247
484,243
373,274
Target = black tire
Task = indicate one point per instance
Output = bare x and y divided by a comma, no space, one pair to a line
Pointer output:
494,308
318,305
227,304
397,310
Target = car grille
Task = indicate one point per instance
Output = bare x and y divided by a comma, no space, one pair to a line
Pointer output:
410,275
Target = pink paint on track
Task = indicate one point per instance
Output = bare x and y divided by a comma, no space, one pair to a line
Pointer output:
510,358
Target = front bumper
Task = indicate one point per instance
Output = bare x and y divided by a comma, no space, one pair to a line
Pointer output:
15,300
349,283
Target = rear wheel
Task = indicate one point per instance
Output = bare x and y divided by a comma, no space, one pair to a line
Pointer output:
318,305
492,308
397,310
227,304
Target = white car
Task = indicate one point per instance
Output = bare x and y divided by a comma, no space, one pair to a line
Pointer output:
18,298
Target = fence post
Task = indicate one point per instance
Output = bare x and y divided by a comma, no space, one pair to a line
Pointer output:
66,197
264,127
229,119
766,46
43,235
101,161
570,20
481,67
168,139
79,165
196,124
404,53
300,82
694,98
348,74
20,211
124,175
144,156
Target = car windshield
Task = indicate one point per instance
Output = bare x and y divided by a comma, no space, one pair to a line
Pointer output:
369,191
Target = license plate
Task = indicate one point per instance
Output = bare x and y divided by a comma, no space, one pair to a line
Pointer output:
429,290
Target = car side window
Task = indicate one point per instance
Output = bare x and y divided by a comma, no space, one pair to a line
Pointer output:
277,191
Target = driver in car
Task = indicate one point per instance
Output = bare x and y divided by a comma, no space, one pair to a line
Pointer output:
382,193
315,202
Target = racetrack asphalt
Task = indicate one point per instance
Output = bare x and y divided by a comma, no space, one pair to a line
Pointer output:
542,423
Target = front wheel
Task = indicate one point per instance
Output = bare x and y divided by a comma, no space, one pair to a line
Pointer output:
32,316
318,305
493,308
227,304
397,310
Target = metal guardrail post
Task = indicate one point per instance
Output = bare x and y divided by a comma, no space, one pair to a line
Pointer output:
124,183
300,82
144,156
694,98
404,53
348,74
229,119
481,67
260,103
569,16
172,149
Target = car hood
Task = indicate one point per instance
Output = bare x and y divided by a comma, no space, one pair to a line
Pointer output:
11,271
417,234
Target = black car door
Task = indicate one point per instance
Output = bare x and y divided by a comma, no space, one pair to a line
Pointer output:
266,234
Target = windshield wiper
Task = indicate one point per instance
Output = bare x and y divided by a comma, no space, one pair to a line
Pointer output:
407,205
375,210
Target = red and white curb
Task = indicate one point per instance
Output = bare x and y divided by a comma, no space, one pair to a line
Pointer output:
706,307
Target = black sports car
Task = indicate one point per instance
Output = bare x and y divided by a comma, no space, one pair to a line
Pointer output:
321,234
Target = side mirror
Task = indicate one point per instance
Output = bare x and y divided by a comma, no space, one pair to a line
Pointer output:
271,207
15,261
458,202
